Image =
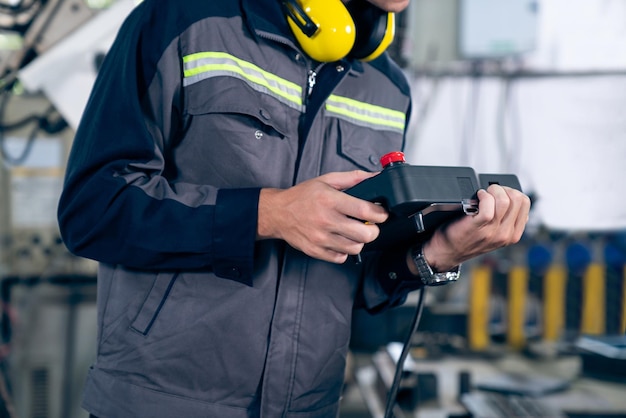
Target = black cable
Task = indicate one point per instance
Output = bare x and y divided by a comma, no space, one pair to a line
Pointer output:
19,124
393,391
41,123
21,158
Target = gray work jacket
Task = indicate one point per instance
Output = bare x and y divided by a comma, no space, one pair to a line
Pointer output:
199,105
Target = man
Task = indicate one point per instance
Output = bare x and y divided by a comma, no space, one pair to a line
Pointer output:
206,177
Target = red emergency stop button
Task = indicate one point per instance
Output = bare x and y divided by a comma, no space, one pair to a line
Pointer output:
394,157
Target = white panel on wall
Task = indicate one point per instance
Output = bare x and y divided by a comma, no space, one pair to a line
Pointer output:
565,138
564,135
575,150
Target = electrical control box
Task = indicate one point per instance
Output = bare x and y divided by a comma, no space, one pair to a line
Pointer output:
440,33
491,29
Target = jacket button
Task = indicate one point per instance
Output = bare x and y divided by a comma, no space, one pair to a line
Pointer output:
234,272
374,160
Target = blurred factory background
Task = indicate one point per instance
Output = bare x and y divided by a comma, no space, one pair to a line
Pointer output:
535,88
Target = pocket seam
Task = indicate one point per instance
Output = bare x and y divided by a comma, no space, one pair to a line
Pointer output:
148,313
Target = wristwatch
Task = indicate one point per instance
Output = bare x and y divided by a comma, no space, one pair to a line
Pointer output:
428,276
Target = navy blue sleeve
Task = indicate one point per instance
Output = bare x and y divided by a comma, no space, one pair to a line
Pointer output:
120,205
387,281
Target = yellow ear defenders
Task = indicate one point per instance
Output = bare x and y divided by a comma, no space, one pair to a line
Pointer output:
329,30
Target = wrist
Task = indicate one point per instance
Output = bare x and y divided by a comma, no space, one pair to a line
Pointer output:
265,224
439,261
429,274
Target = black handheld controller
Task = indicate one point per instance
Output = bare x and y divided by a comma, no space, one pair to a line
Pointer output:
421,198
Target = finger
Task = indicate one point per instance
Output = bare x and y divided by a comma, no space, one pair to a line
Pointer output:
333,256
361,209
521,208
342,245
326,254
513,206
502,202
356,232
339,234
486,207
336,250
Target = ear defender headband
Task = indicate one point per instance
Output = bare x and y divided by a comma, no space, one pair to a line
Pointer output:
329,30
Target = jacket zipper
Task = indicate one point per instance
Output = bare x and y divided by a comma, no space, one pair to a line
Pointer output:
311,82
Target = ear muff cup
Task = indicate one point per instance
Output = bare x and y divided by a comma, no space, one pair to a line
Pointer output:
323,28
329,30
375,30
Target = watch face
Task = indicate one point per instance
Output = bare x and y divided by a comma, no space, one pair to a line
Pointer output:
439,279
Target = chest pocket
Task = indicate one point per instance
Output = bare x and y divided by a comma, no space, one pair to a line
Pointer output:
229,95
233,131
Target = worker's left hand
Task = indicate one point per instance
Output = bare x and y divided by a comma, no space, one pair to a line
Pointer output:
500,221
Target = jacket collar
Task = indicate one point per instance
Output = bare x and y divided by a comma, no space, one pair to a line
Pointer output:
266,17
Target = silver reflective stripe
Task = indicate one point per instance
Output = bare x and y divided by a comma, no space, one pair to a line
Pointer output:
203,65
365,114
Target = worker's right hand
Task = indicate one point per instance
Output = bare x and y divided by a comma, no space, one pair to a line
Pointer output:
317,218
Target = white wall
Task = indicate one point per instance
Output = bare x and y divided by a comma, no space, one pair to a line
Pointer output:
564,136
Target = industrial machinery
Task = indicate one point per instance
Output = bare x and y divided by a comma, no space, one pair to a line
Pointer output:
50,52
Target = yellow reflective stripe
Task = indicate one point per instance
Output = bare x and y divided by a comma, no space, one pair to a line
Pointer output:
203,65
376,117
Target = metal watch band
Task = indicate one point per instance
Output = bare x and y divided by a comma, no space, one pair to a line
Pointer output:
428,276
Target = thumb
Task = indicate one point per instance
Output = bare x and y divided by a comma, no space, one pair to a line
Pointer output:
346,179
